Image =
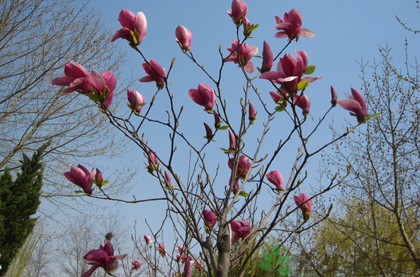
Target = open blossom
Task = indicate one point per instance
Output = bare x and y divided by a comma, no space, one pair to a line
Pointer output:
268,56
238,11
134,27
290,26
242,54
304,204
243,166
290,71
241,229
162,250
210,219
136,264
276,179
81,177
302,101
156,73
102,257
203,96
183,37
147,239
104,85
76,78
356,105
136,101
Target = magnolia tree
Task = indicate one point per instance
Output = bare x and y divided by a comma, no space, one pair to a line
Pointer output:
219,228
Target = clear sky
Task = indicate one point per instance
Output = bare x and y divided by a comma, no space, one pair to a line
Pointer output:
346,32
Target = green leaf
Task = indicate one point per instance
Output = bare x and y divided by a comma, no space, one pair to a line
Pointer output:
243,193
283,260
284,271
280,108
310,70
302,85
224,150
267,256
373,116
93,97
104,183
224,127
265,266
79,191
275,251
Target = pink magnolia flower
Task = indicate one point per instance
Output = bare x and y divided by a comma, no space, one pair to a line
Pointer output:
210,219
232,142
180,249
276,179
268,57
134,27
252,113
304,204
334,96
235,187
238,11
183,37
187,266
209,132
99,178
241,229
136,264
152,161
302,101
147,239
290,71
217,121
162,250
243,166
156,74
81,177
279,98
356,105
198,265
290,26
102,257
136,100
104,85
242,54
76,78
168,179
203,96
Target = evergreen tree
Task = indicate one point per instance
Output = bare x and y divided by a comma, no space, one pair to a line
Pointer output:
19,200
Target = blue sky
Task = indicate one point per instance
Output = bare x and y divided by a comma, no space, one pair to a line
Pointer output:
346,32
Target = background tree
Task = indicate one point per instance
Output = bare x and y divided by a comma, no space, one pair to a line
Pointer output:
36,39
19,200
377,231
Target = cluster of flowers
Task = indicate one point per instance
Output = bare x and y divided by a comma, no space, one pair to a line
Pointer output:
289,74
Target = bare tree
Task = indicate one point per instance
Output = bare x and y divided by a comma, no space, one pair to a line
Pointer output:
36,39
376,230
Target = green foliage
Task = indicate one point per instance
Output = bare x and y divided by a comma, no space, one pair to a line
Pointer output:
19,200
273,262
